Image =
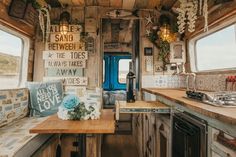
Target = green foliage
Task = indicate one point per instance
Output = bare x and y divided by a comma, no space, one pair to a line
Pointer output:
164,51
34,3
79,112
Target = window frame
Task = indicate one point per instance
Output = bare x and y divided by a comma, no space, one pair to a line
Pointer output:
23,72
193,42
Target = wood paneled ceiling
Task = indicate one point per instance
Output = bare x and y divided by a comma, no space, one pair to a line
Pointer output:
119,4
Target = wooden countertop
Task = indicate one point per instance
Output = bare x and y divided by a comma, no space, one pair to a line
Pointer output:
106,124
224,114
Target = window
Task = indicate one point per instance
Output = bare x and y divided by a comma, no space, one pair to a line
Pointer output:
216,51
116,69
12,57
123,70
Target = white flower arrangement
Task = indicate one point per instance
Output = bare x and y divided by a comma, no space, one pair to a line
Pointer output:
72,109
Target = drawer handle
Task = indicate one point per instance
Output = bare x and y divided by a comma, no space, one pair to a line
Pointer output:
229,143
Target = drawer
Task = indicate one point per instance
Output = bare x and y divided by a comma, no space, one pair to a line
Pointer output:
141,107
220,146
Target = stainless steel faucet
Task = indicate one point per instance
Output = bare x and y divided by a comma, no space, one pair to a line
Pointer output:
194,81
187,75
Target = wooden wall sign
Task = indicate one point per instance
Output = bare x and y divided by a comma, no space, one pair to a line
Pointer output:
62,38
62,72
90,45
70,81
65,46
63,58
65,63
79,55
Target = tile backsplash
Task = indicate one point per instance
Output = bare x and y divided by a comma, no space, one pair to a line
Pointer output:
163,81
209,82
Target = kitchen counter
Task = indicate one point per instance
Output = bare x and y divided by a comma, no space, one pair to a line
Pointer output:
223,114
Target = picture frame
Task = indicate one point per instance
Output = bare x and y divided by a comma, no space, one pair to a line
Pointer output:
177,52
17,8
148,51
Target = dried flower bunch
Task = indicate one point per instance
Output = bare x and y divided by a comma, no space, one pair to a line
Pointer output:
189,12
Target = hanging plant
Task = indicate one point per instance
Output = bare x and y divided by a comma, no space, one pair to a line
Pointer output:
162,32
164,52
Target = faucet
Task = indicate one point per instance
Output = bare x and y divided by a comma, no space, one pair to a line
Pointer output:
194,81
186,74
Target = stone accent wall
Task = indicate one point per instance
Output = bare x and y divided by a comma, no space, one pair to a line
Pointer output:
213,82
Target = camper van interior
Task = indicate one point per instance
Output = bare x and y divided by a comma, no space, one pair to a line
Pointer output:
118,78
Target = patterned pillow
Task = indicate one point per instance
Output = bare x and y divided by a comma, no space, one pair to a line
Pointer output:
45,97
13,105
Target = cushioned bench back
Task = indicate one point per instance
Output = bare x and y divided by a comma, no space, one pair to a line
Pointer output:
13,105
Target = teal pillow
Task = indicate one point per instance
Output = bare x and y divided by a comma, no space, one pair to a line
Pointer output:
45,97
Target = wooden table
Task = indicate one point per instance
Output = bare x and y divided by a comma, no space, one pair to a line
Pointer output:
106,124
91,146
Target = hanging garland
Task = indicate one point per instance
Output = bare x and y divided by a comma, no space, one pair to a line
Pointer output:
187,14
154,34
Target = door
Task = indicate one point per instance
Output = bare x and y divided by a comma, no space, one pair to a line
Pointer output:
115,69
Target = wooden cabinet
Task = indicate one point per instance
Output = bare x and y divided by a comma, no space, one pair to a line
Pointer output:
163,136
221,144
152,134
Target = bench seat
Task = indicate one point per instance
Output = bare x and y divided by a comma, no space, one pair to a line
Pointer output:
16,141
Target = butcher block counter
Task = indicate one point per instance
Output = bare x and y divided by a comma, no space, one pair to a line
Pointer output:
223,114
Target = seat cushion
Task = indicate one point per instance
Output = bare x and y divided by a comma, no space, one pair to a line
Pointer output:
15,139
13,105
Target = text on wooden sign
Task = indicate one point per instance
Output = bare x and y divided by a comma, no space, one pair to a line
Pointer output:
65,63
61,72
65,55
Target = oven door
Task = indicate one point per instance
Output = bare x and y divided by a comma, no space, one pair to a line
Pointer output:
189,136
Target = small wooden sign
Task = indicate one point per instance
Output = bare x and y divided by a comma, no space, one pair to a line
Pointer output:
70,81
65,63
79,91
90,45
71,29
63,72
66,46
80,55
62,38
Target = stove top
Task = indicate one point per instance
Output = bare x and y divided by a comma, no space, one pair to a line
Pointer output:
221,99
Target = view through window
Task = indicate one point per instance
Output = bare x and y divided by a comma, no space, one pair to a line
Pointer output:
10,59
217,50
123,69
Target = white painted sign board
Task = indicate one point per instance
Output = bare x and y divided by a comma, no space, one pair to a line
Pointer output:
65,63
80,55
70,81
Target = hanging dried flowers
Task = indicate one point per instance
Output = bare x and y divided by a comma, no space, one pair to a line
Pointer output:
188,11
44,26
205,14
